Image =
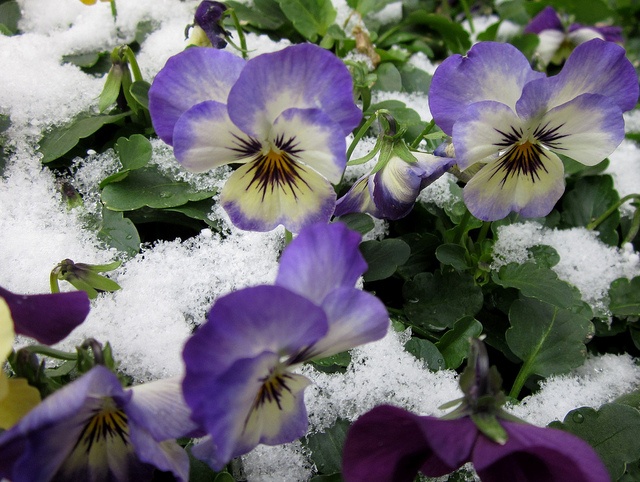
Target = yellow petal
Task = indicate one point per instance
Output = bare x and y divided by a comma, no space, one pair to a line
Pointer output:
18,401
6,331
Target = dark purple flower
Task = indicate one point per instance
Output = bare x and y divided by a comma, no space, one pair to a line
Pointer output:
207,21
240,380
393,444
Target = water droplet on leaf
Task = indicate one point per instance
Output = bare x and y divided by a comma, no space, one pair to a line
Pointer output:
577,417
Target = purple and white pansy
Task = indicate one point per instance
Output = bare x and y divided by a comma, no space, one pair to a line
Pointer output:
283,116
240,381
513,121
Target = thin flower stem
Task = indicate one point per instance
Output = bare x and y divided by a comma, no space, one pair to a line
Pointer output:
518,383
467,12
50,352
243,40
114,10
362,131
53,281
461,227
483,232
595,223
424,132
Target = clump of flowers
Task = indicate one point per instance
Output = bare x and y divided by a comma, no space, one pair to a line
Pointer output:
283,116
240,381
557,41
511,122
390,443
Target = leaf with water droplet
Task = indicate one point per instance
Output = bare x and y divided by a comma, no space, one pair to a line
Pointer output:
612,431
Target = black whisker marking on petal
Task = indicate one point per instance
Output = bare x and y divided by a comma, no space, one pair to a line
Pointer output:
104,424
521,160
549,136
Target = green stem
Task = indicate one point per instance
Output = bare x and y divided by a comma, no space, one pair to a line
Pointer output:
131,58
595,223
50,352
483,232
518,383
461,227
361,132
243,41
467,12
53,281
114,10
424,132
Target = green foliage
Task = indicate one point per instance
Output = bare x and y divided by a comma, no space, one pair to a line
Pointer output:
454,344
326,447
625,297
612,431
384,257
10,15
311,18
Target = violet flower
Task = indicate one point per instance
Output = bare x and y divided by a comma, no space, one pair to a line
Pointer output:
93,429
393,444
556,41
512,120
283,116
48,318
239,380
207,29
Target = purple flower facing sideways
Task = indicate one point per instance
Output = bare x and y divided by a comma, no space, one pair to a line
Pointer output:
391,191
93,429
556,41
207,29
239,380
513,121
393,444
283,116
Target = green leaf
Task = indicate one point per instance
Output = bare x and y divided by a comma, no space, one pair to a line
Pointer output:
612,431
326,447
10,15
384,257
548,339
544,256
119,232
140,92
263,14
453,255
452,33
134,152
454,344
147,187
427,352
435,301
363,7
625,297
591,197
389,79
84,60
197,210
414,79
61,140
360,222
309,17
537,282
399,110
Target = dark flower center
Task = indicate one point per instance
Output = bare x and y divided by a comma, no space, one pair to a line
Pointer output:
274,165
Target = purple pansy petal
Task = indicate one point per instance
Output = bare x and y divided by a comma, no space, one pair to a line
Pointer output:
48,318
322,258
195,75
433,167
257,201
302,76
611,33
495,191
358,199
166,456
596,67
480,132
396,187
490,71
194,144
536,453
355,318
547,19
314,139
587,129
239,412
244,324
208,17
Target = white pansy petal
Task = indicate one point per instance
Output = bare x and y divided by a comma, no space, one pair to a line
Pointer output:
483,131
499,189
549,43
205,138
587,129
